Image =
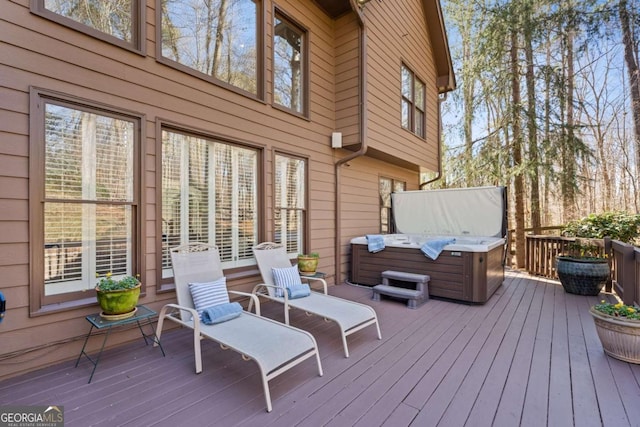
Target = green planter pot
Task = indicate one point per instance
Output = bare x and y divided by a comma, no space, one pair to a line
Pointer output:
118,302
307,265
582,276
620,337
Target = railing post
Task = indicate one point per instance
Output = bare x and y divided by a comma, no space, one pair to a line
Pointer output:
636,279
628,271
608,251
625,272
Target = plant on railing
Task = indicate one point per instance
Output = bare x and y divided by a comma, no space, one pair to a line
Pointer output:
585,249
618,225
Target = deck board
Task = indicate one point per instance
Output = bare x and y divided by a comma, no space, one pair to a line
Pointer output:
512,396
560,401
461,403
536,404
477,335
488,398
529,356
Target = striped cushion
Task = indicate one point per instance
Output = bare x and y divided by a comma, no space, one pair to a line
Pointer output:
209,294
285,277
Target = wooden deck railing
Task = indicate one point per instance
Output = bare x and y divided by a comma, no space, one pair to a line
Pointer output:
511,239
541,252
626,272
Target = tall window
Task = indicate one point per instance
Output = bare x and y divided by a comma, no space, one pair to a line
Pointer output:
289,65
217,38
89,197
388,186
209,194
290,203
413,102
116,21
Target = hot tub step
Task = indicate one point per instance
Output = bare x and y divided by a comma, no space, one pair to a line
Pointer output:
414,297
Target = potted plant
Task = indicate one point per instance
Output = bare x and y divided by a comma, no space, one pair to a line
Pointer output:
308,263
618,328
118,297
584,270
617,225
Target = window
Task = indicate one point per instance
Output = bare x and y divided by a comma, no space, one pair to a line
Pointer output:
290,203
88,185
209,194
413,102
289,65
216,38
115,21
387,186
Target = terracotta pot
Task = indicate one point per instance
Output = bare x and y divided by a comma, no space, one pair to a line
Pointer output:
120,301
620,337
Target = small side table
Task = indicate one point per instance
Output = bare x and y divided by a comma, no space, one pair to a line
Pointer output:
316,275
143,314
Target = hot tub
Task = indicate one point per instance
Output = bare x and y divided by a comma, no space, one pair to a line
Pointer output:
470,270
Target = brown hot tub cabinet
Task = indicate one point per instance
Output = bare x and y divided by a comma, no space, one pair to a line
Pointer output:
470,269
465,276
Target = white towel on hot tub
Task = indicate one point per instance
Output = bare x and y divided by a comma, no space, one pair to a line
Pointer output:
432,248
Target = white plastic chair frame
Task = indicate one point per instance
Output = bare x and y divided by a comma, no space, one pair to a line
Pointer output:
254,337
349,315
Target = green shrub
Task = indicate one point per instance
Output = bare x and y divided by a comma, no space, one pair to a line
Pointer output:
108,283
621,226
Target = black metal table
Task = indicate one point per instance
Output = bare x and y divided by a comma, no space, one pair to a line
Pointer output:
143,314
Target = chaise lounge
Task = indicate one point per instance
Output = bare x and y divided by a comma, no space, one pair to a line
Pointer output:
275,347
350,316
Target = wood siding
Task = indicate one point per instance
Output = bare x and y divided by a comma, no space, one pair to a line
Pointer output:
347,47
404,39
38,53
361,200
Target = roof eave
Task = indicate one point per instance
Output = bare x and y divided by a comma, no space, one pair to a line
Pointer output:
445,78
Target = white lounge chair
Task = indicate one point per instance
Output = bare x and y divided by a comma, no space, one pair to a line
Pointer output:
275,347
350,316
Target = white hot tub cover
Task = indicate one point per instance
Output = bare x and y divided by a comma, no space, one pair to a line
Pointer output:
477,211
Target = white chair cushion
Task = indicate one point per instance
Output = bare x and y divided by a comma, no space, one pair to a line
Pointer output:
284,278
209,294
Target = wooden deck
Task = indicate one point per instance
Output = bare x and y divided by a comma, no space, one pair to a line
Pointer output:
529,356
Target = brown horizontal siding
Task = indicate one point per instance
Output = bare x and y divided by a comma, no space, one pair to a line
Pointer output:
361,200
13,231
47,55
145,84
405,39
347,79
43,54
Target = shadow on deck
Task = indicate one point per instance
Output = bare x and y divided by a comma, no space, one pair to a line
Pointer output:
529,356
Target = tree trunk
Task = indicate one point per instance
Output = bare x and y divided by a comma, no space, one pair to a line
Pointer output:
568,144
547,129
531,122
468,89
516,148
634,76
217,49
